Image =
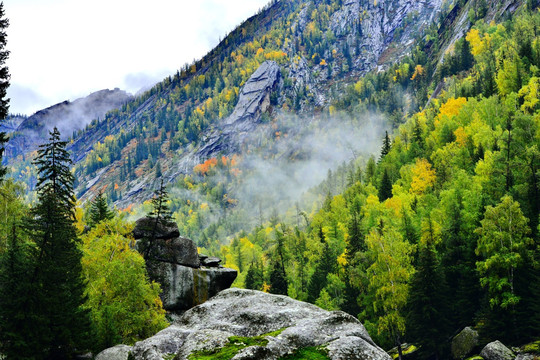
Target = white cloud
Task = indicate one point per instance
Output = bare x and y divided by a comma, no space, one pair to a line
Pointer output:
64,49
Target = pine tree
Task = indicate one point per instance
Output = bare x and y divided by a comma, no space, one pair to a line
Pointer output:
385,189
4,84
427,324
254,277
61,324
99,210
325,266
387,144
160,215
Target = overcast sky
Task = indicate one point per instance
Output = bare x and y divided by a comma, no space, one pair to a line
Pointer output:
66,49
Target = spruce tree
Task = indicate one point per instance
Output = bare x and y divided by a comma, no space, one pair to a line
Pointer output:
385,189
427,324
99,210
160,215
4,84
387,144
60,324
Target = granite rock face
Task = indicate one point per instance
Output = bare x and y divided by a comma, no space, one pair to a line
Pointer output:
174,262
248,313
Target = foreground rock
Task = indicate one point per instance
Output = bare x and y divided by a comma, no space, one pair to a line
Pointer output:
174,262
497,351
249,313
118,352
464,343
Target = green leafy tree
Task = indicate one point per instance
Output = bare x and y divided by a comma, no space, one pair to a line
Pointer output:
4,84
389,279
502,244
124,306
61,324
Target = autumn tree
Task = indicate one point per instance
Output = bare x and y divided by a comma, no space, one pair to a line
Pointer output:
389,279
124,306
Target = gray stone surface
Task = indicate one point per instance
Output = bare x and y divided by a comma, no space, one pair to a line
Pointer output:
184,287
144,228
497,351
118,352
211,261
251,313
180,250
464,343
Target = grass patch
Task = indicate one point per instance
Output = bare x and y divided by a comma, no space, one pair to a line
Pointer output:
235,344
308,353
533,347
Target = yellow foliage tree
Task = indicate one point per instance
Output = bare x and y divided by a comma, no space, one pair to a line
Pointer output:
423,177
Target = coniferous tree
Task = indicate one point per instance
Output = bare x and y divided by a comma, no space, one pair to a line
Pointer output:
160,215
254,277
427,324
60,323
386,146
325,266
385,189
4,84
99,210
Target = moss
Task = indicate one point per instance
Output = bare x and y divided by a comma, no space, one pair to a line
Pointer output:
533,347
475,357
405,349
308,353
235,344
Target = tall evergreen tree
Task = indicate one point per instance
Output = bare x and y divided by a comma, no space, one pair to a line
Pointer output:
99,210
4,84
325,266
427,324
386,146
61,324
385,189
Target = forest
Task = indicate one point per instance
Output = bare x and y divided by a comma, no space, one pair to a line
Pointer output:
436,231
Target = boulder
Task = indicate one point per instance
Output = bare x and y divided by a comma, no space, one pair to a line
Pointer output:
464,343
211,262
179,250
282,326
497,351
118,352
184,287
144,228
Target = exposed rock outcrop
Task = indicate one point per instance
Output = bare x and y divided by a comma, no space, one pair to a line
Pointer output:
464,343
496,351
249,313
173,261
253,101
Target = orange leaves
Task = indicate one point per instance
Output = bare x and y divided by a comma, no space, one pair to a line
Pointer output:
202,169
423,177
418,72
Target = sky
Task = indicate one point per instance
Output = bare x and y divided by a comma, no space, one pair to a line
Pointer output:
66,49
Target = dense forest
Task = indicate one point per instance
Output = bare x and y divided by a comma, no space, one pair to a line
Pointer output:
436,231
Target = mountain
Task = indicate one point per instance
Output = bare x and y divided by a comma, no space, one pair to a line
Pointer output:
68,116
317,48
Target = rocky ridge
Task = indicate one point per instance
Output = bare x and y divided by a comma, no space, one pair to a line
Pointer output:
282,325
67,116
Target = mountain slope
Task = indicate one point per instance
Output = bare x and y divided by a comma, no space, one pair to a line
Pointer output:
320,47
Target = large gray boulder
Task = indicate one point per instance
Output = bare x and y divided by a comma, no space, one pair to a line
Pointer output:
249,313
184,287
497,351
146,227
464,343
118,352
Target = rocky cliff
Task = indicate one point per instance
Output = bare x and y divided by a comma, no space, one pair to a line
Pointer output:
187,279
250,324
